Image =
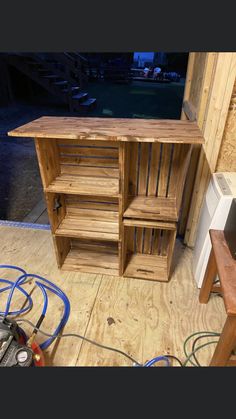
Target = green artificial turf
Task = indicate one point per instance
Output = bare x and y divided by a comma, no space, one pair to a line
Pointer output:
137,100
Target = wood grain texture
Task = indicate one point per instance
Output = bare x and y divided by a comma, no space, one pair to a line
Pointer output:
151,257
227,156
48,160
226,268
151,224
226,344
156,180
188,82
84,185
164,170
153,174
197,77
152,208
143,169
150,318
208,280
133,169
112,129
92,217
222,263
92,257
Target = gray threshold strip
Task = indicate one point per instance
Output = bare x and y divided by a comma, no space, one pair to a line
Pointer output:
24,225
35,213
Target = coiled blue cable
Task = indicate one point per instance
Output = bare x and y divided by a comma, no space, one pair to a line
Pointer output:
13,285
23,310
45,297
30,302
157,359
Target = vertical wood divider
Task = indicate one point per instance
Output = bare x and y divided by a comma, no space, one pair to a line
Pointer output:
124,159
49,166
48,159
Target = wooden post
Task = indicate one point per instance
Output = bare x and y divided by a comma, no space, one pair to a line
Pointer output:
188,81
209,277
227,156
226,343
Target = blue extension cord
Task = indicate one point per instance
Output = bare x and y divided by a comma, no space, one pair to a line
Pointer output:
13,285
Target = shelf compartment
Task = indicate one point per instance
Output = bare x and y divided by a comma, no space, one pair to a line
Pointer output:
79,167
84,185
154,182
82,217
87,256
148,249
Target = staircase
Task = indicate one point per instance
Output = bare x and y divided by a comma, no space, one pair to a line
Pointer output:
62,74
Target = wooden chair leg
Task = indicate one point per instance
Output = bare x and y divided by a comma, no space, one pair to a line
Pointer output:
226,343
208,280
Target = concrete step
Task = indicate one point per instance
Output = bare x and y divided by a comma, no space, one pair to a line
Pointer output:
61,83
80,96
43,70
72,89
34,63
88,102
51,76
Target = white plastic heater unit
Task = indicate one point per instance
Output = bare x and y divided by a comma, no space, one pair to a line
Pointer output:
214,213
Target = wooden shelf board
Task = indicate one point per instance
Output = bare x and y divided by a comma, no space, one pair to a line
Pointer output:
115,129
90,224
129,222
152,208
152,267
84,185
92,258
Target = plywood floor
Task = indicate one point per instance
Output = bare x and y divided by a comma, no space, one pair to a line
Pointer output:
140,317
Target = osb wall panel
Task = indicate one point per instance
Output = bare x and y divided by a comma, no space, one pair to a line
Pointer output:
227,156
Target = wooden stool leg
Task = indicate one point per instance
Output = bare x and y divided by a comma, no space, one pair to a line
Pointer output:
208,280
226,343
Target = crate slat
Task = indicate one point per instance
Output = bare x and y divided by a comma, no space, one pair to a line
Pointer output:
154,165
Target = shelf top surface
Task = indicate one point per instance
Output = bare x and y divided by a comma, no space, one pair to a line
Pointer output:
112,129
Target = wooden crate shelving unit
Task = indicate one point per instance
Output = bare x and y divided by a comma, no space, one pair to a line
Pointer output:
113,189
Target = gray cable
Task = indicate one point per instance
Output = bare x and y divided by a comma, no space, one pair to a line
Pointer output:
67,335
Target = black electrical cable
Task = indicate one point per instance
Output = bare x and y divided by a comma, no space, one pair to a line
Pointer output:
194,344
216,281
174,357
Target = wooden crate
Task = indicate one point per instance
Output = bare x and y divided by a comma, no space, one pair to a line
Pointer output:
148,249
79,167
155,180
